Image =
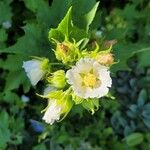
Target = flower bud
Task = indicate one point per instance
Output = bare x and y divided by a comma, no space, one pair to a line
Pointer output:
66,52
36,69
58,79
106,59
59,105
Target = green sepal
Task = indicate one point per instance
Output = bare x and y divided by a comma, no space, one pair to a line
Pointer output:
91,104
77,99
57,79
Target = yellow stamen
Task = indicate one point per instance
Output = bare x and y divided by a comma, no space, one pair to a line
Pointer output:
89,80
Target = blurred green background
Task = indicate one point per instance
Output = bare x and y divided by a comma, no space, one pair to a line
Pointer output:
119,124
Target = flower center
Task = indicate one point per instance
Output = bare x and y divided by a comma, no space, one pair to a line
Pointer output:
89,80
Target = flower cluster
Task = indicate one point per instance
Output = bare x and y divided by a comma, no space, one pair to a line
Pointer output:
84,79
81,73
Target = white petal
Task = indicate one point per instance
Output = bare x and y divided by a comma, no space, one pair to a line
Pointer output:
53,112
33,70
84,66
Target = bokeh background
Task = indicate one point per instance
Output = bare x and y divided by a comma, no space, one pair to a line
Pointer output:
120,124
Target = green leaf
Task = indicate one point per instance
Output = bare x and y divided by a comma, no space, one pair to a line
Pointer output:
13,63
34,42
147,122
134,139
10,97
5,11
63,29
4,131
123,51
40,147
11,83
50,15
90,16
84,13
66,30
3,35
143,57
142,98
10,64
65,26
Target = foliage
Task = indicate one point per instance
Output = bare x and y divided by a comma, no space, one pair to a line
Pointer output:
123,123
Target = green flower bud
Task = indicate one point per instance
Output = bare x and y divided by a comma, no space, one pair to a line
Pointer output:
58,79
63,99
67,52
59,105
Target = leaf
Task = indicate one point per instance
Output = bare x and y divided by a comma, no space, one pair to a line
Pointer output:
16,76
130,9
12,82
4,131
133,108
40,147
134,139
142,98
3,35
146,114
10,97
5,11
90,16
143,57
12,63
65,26
34,42
147,122
123,51
50,15
43,15
66,30
63,29
84,13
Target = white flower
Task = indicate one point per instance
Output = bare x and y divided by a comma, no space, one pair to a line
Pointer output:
52,113
89,79
34,71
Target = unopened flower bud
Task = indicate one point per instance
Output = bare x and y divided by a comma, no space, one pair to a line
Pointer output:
105,59
36,69
66,52
58,79
59,104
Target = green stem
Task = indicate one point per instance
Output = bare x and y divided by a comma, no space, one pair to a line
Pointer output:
57,64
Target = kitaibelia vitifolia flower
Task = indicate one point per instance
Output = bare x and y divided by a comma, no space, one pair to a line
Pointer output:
59,105
36,69
89,79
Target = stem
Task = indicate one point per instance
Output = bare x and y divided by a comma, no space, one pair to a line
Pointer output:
143,50
56,64
68,91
